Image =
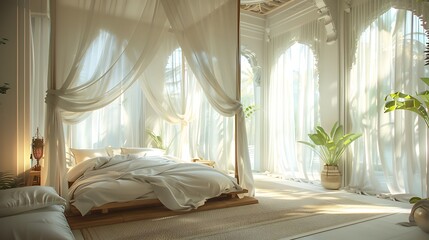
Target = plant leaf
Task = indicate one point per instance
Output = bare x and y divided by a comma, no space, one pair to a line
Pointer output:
308,144
317,138
414,199
323,136
7,180
402,101
425,80
339,132
425,97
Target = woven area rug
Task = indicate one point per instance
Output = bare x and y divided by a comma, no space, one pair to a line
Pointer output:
283,211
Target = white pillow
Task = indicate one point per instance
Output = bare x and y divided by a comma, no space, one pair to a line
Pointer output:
23,199
81,155
142,151
113,151
78,170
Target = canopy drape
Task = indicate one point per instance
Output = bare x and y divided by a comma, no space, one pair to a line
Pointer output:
209,47
214,64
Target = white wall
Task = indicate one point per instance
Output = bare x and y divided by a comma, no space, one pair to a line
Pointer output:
14,143
15,140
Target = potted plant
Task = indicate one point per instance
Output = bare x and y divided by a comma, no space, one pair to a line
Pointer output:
330,148
419,214
7,180
419,104
5,86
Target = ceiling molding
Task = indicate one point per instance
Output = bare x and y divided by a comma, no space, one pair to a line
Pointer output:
284,21
279,13
252,26
325,16
262,7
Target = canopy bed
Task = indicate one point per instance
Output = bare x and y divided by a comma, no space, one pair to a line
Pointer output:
206,31
178,185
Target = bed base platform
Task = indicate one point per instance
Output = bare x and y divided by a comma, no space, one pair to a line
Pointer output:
113,213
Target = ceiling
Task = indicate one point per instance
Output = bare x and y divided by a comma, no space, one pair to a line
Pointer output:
262,6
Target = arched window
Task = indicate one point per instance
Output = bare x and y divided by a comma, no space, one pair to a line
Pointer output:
389,57
293,112
250,77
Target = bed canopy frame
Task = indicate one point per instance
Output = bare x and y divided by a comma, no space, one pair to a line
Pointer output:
212,50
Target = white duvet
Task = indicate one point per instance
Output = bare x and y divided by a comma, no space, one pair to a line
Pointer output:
179,186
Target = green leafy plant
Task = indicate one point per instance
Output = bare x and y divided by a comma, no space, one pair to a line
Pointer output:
416,199
7,180
3,40
250,110
330,147
156,139
4,88
403,101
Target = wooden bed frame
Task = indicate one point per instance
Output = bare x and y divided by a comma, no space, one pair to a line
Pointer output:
142,203
140,209
99,215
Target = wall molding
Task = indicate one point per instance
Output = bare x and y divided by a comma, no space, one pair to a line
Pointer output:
251,26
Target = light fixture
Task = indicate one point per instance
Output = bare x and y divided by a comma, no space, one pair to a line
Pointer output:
37,148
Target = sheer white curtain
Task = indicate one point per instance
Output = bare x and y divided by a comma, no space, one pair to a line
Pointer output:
120,122
40,28
249,97
214,64
169,72
388,55
176,100
72,91
292,103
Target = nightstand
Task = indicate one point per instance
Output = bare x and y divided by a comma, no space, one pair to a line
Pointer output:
205,162
33,178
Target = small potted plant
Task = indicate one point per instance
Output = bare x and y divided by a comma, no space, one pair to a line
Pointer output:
4,88
7,180
330,148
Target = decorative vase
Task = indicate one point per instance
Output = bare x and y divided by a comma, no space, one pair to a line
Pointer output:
420,215
331,177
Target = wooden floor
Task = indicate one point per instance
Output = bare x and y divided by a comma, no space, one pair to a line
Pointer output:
133,214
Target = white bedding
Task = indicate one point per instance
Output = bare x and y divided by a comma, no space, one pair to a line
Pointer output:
179,186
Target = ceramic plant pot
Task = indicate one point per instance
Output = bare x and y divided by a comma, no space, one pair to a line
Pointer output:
420,215
331,177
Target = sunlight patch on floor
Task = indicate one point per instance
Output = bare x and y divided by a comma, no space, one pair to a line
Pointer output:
356,209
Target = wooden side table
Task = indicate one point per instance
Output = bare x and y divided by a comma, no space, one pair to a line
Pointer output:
205,162
33,178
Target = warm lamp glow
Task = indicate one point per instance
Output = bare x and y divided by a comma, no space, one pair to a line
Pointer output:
37,147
